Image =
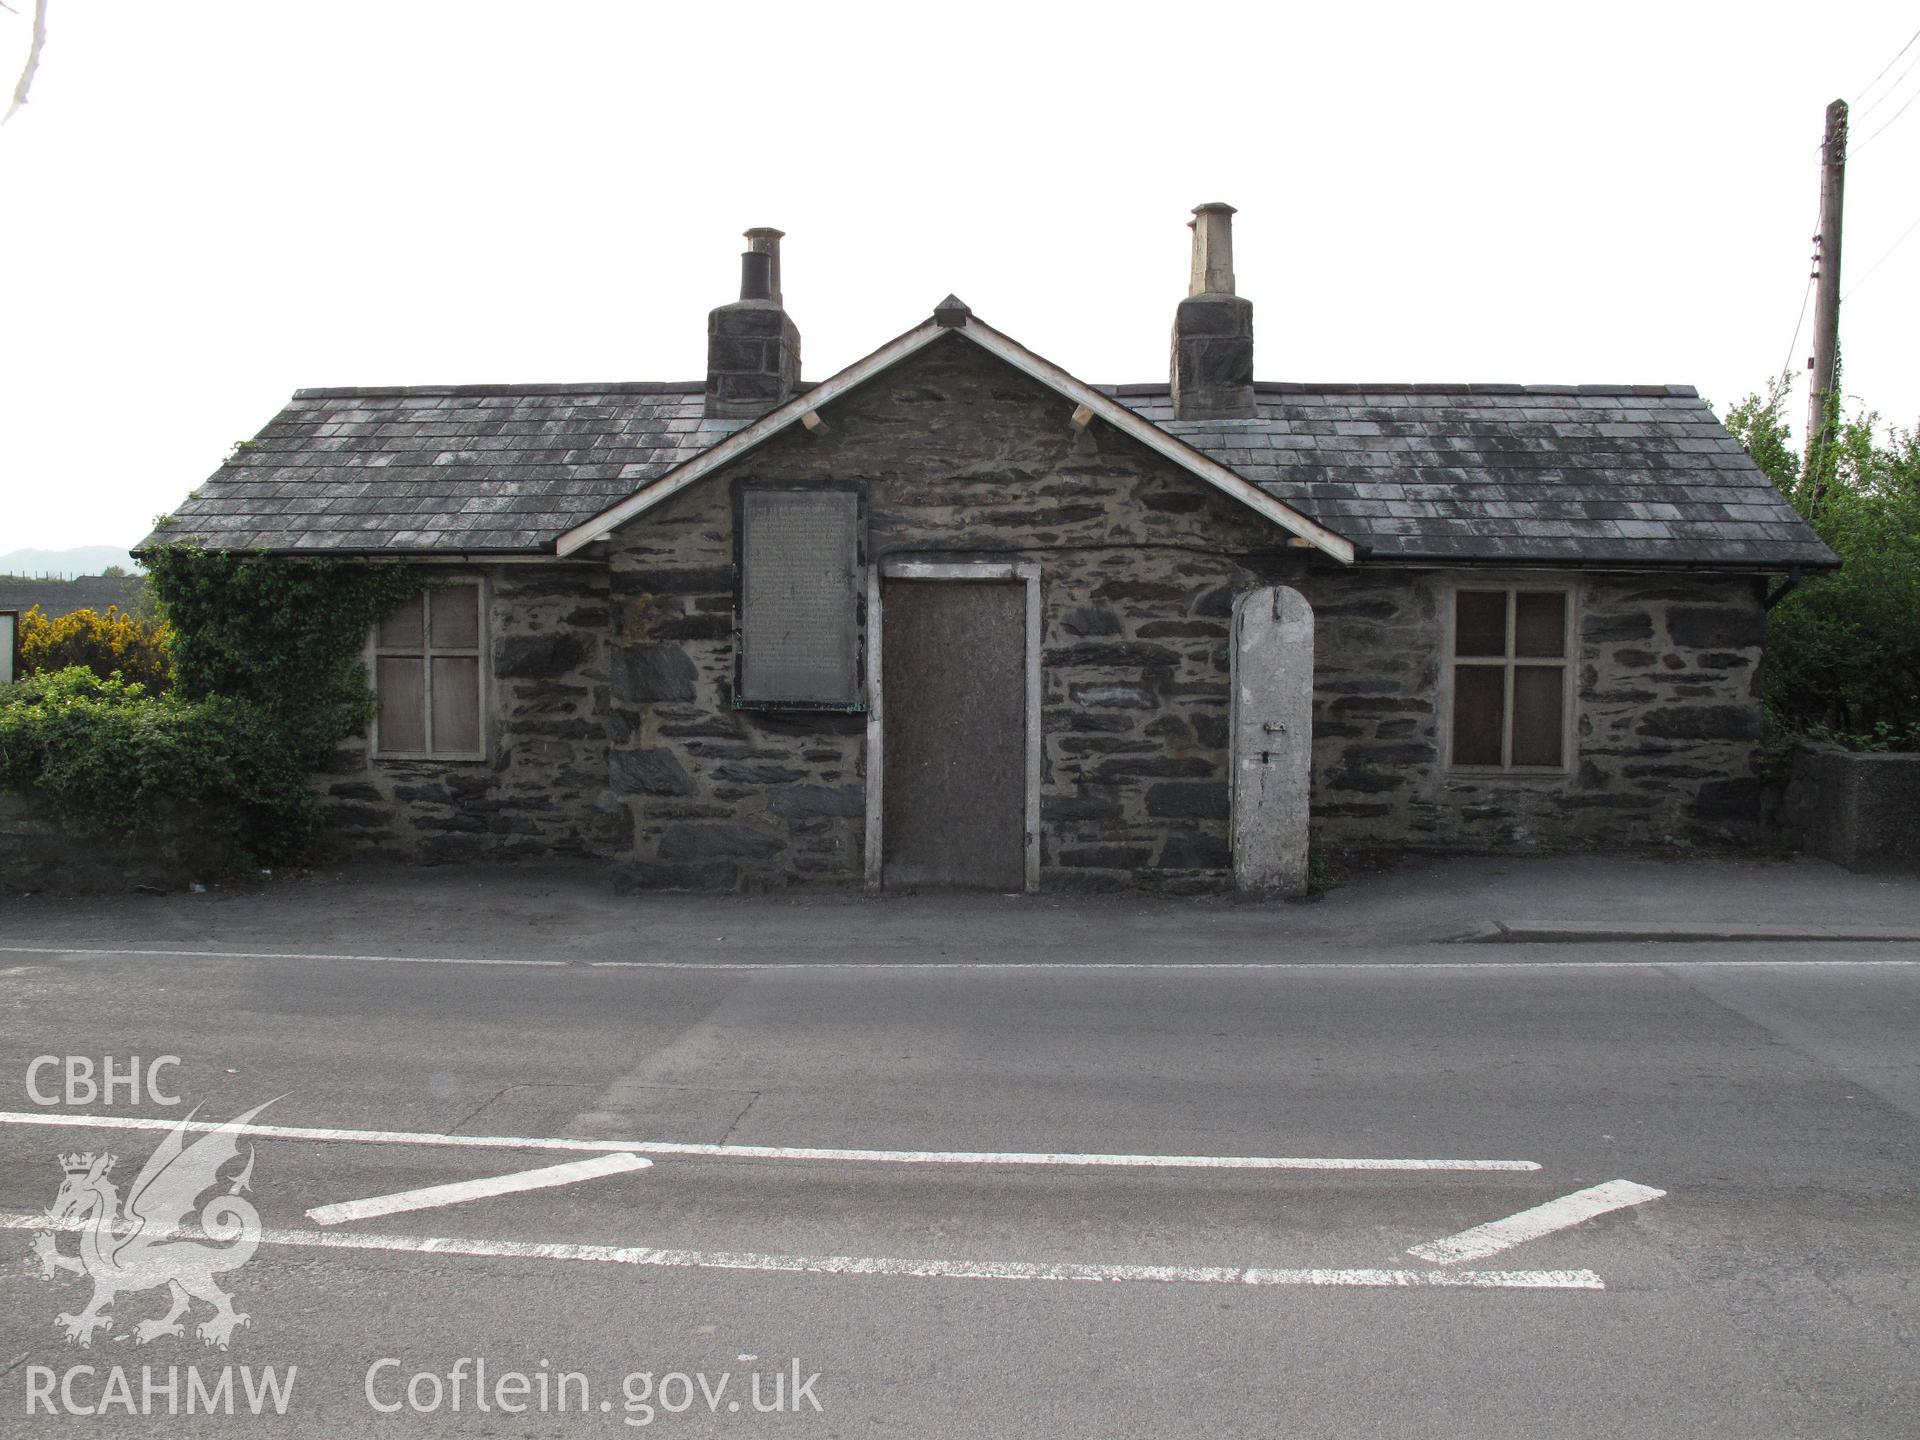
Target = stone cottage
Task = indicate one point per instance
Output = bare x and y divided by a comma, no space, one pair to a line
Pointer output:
954,616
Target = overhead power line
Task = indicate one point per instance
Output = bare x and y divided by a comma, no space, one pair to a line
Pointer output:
1891,90
1885,127
1886,67
1885,256
1786,368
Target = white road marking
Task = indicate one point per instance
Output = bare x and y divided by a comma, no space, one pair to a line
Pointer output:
1248,965
1490,1239
273,955
910,1269
1096,966
432,1196
58,1121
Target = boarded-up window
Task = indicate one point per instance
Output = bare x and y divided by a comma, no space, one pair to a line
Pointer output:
426,675
1511,674
799,598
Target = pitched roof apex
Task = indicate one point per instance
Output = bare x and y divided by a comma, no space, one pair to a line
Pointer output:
961,321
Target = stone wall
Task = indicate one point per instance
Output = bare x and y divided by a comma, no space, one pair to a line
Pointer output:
40,852
1860,811
613,729
1666,712
542,790
961,457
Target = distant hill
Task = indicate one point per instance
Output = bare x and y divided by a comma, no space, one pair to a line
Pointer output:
83,560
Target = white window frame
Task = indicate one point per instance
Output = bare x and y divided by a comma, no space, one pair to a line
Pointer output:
1506,663
427,650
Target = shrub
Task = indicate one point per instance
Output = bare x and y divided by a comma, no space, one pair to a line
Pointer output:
265,681
112,757
130,645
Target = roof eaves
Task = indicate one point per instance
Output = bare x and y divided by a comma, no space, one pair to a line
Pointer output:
1395,387
571,387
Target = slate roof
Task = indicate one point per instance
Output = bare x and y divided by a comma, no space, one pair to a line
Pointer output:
1504,473
465,469
1448,473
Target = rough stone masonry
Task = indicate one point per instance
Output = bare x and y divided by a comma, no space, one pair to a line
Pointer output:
614,732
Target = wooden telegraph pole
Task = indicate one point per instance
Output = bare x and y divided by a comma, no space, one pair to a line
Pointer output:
1826,261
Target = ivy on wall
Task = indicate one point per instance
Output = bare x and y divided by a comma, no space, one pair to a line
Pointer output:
286,635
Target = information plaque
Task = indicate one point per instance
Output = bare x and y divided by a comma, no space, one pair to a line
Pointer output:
799,610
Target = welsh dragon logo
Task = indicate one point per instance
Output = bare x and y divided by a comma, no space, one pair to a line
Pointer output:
147,1243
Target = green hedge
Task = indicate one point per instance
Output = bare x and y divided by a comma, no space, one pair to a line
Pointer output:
111,757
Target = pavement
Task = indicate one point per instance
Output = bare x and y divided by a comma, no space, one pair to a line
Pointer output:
1371,1165
569,912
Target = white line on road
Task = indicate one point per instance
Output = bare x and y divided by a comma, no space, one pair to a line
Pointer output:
271,955
1490,1239
432,1196
1247,965
1093,966
58,1121
911,1269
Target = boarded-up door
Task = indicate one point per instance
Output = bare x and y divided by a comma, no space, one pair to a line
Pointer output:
955,738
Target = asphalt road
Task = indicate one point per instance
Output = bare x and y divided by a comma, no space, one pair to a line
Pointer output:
1771,1091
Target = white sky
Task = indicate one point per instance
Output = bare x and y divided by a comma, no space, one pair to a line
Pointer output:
209,204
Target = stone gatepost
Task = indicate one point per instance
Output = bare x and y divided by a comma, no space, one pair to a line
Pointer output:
1272,761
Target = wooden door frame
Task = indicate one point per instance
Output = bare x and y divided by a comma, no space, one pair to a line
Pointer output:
1027,572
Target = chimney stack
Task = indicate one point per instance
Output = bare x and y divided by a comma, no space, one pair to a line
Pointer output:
764,240
753,348
1212,365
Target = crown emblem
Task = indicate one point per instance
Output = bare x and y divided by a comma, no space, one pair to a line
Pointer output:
79,1164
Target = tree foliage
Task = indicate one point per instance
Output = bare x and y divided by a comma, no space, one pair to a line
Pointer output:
111,643
1843,649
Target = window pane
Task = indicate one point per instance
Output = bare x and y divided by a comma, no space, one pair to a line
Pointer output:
1540,624
455,616
403,716
456,704
1539,693
401,629
1480,622
1479,705
799,618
